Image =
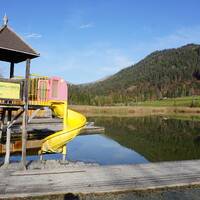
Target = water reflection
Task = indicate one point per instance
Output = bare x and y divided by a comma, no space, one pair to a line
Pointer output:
155,138
131,140
102,150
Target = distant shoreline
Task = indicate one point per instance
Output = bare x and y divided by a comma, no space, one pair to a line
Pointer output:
135,111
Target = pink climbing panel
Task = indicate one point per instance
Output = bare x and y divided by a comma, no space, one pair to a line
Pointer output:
57,89
54,88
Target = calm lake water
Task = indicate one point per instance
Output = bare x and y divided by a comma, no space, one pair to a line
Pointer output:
134,140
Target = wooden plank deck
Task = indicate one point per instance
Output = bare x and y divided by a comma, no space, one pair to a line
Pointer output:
98,179
40,128
52,125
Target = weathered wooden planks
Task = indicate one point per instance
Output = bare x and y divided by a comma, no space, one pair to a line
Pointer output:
38,129
98,179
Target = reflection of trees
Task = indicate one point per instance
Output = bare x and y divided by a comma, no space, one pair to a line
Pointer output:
155,138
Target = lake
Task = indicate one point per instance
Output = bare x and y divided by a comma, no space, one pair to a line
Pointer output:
131,140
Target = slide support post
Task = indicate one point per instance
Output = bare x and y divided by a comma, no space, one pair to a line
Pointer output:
64,152
65,115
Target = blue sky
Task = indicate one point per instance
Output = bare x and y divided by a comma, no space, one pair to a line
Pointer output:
86,40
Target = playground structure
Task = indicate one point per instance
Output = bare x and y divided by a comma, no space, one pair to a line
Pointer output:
52,93
18,96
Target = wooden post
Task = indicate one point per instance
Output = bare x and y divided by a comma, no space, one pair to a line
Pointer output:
2,122
65,123
11,70
64,152
25,115
8,136
9,117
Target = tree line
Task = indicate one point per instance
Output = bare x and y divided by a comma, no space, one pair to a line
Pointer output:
163,74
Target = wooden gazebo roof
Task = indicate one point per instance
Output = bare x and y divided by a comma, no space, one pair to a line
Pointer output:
13,48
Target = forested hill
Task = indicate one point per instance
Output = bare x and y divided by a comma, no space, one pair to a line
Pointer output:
166,73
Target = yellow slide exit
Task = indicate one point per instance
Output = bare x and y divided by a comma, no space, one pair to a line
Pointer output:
73,122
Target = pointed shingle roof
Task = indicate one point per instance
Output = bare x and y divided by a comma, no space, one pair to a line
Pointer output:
13,48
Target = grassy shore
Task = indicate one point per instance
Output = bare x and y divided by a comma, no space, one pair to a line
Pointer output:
176,107
136,111
191,101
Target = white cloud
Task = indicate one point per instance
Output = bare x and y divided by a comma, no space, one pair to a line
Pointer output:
33,35
89,63
179,37
100,59
111,59
175,39
88,25
119,58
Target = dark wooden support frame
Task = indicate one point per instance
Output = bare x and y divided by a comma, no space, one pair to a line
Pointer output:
11,121
21,110
12,69
15,52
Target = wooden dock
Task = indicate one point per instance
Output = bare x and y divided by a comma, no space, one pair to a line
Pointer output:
86,179
40,128
50,125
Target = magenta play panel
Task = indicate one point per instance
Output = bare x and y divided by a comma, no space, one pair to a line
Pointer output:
54,88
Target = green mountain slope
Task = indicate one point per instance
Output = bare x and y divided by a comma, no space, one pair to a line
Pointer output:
166,73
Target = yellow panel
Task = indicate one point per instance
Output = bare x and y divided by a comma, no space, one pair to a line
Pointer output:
9,90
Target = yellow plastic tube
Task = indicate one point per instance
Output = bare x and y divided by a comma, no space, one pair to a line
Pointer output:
73,122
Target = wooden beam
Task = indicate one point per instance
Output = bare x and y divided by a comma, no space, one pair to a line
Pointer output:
2,121
25,114
9,117
8,136
11,70
12,122
33,115
11,80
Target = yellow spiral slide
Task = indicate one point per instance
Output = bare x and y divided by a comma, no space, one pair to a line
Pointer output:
73,122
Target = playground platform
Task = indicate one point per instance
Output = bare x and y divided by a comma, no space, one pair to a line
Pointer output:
87,179
39,128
